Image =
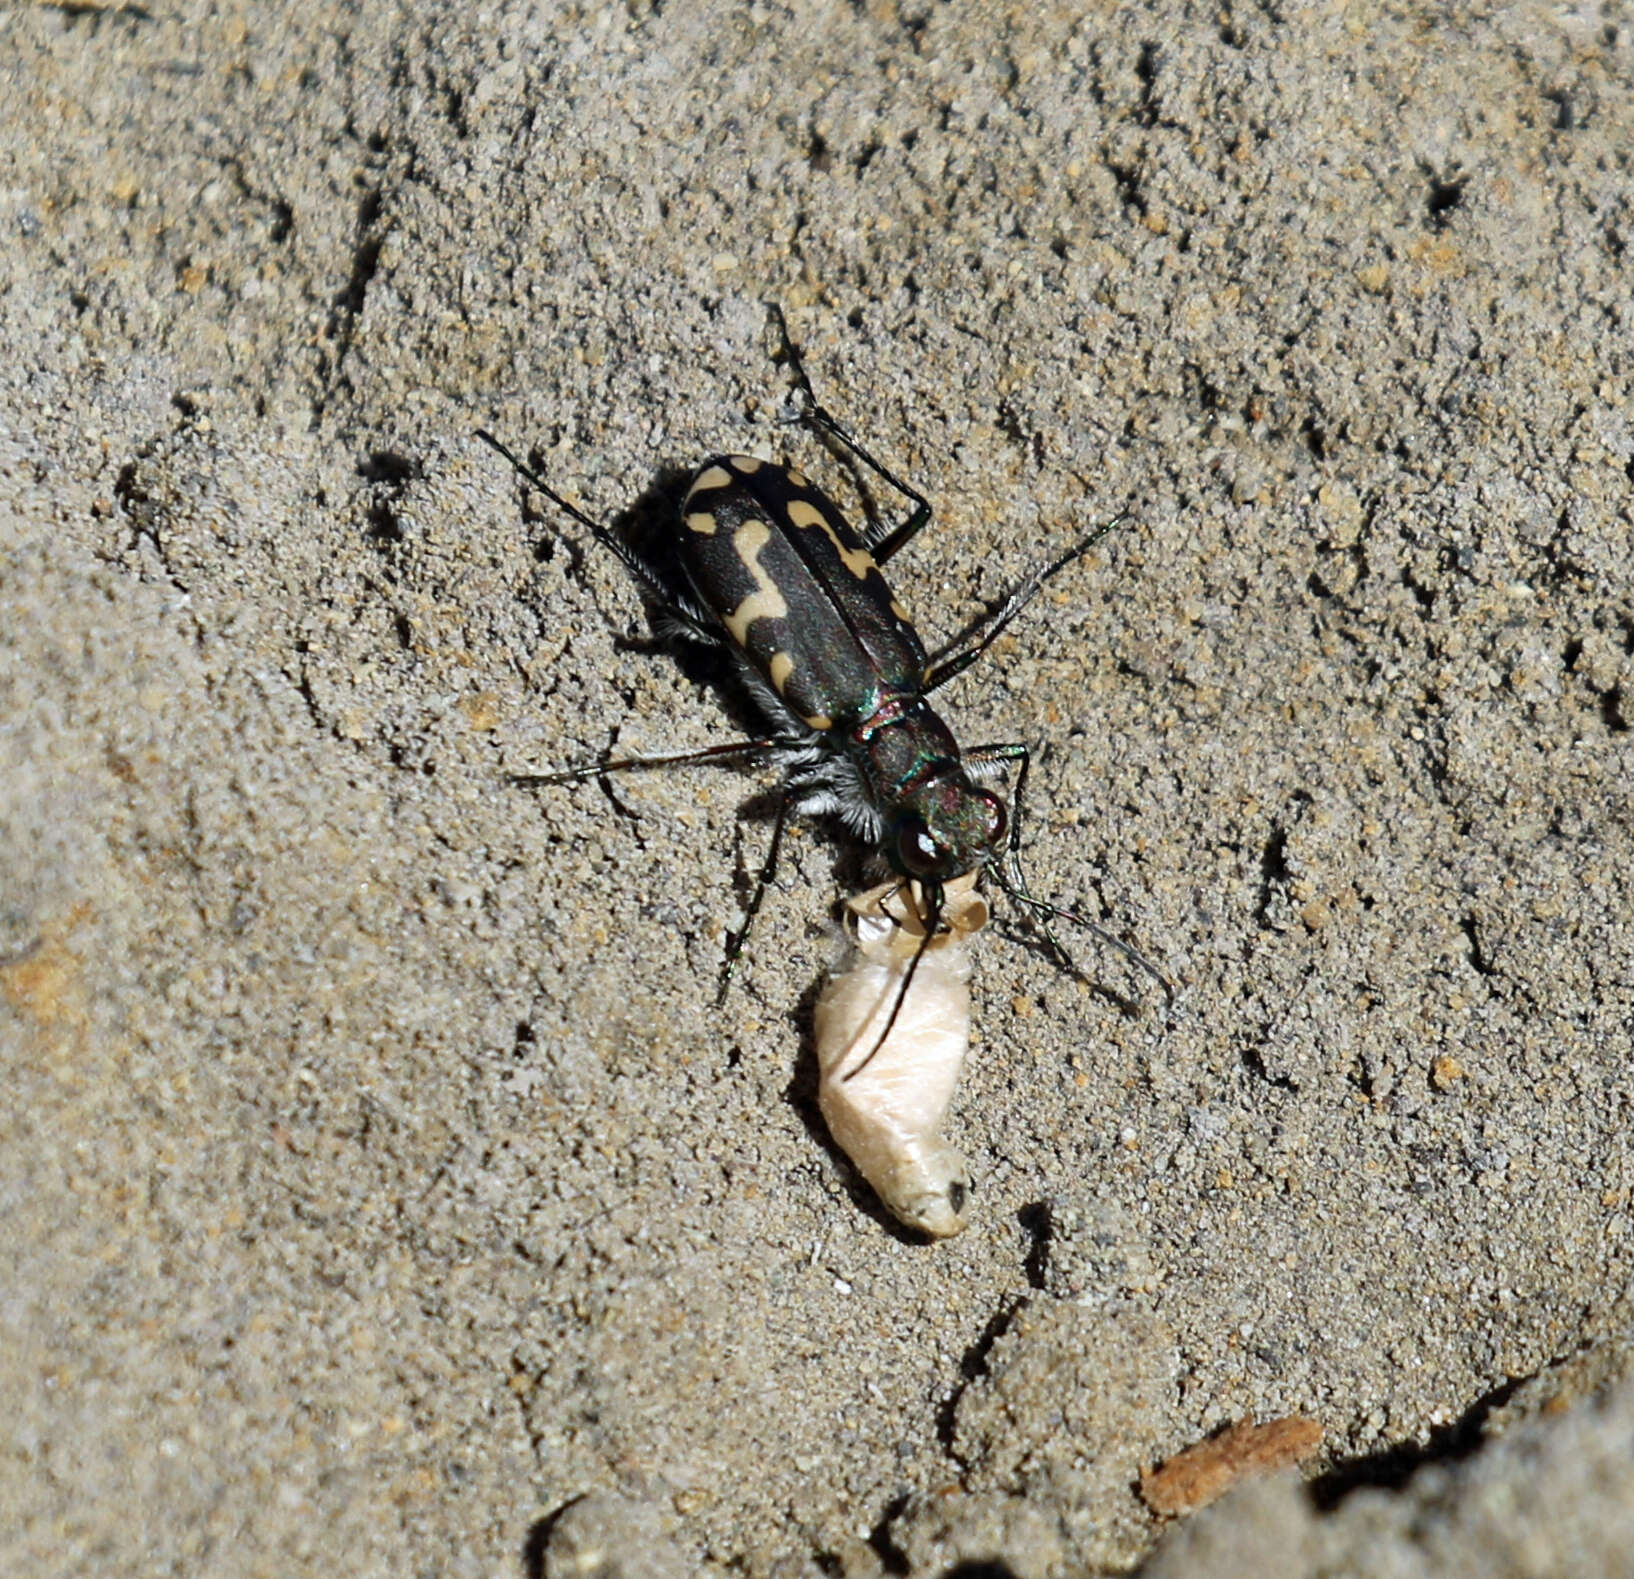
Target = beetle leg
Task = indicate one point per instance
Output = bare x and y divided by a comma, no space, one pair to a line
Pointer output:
691,622
768,870
1002,755
1007,872
880,541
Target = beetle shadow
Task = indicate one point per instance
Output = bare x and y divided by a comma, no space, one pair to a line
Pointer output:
646,526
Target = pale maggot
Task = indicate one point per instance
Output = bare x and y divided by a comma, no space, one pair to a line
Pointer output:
885,1100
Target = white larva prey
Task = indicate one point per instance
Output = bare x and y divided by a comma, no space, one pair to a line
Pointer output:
885,1102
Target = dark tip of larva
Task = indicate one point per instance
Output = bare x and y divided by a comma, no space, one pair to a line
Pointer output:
958,1196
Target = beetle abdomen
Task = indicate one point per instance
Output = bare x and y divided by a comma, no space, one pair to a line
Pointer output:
796,592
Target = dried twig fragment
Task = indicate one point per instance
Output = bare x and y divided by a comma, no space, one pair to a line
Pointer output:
1199,1475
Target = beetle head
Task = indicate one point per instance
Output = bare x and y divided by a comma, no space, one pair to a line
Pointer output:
949,828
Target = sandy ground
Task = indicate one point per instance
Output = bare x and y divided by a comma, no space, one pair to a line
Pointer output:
383,1193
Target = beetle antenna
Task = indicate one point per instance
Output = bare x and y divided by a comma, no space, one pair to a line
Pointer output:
1042,910
933,922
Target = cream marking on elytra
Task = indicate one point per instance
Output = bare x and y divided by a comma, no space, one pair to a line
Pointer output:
766,602
857,560
712,477
703,522
818,721
885,1101
747,464
779,670
798,477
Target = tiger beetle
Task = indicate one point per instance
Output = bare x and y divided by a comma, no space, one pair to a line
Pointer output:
776,577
